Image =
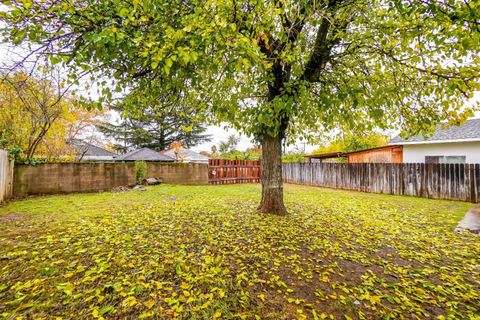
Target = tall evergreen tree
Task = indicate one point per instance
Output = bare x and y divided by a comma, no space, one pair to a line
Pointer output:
154,128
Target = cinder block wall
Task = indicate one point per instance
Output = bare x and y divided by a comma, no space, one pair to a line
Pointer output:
54,178
179,173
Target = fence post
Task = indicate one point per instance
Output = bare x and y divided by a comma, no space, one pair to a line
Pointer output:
477,182
472,189
6,176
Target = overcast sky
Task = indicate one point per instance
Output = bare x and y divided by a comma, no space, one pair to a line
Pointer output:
220,134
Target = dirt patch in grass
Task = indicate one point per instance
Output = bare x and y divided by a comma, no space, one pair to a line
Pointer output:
12,217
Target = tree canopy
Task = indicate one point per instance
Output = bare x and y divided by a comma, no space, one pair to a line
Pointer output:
368,63
272,69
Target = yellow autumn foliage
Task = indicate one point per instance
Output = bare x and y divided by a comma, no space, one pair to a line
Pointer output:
40,116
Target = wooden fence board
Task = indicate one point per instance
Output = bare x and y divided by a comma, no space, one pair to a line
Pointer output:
477,182
222,171
435,181
6,176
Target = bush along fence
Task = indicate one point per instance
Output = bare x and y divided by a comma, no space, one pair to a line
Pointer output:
234,171
435,181
6,176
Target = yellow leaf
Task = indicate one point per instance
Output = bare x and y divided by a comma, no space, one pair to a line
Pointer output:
217,314
149,304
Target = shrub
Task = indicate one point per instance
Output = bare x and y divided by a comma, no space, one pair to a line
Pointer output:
16,154
293,157
140,170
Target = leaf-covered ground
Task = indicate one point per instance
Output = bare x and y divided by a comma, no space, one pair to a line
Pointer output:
202,252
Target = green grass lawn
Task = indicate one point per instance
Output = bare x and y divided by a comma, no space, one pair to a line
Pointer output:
202,252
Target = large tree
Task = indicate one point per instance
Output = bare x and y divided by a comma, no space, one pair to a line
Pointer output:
39,115
155,128
272,68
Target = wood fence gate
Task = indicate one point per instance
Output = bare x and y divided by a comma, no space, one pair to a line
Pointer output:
234,171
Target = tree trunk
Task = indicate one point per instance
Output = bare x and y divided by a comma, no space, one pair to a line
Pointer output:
272,183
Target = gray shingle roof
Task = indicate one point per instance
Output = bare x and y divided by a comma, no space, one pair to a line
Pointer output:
187,154
89,149
470,130
145,154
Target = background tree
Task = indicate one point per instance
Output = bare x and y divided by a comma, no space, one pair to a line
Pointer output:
177,147
295,155
39,100
249,154
155,128
213,150
353,141
227,149
272,68
39,116
229,145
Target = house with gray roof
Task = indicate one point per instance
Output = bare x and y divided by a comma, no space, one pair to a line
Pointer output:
145,154
85,151
185,155
448,144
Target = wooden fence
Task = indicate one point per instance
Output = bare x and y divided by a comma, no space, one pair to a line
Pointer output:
234,171
6,176
435,181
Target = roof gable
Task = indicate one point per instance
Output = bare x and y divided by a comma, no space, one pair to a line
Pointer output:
469,131
89,149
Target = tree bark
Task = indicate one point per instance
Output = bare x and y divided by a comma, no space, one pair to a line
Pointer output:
272,183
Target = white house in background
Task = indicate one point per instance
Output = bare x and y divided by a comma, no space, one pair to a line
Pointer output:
185,155
453,144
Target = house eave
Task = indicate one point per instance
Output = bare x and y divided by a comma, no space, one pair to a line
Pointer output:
433,141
